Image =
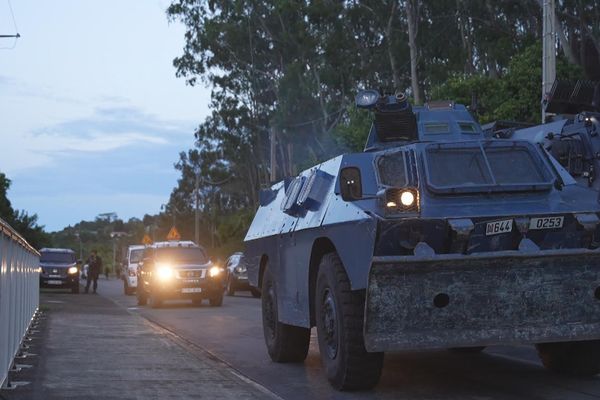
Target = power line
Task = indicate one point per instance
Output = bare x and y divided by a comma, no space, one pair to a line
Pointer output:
17,35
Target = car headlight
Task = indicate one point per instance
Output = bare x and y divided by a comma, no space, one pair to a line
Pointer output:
215,271
240,270
164,272
72,270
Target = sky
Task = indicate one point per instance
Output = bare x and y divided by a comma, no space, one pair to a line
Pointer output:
92,116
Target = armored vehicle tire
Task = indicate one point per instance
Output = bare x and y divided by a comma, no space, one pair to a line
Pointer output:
216,300
230,288
75,288
255,292
339,313
155,300
575,358
285,343
142,299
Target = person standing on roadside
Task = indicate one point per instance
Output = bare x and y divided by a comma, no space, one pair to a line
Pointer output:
94,263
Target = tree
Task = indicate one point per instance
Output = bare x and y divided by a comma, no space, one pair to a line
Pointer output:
25,224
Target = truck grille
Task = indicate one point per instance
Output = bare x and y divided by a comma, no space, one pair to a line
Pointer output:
191,274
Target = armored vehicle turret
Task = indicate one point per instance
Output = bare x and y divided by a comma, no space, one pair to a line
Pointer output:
435,236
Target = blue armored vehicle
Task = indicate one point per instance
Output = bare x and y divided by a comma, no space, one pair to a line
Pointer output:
434,237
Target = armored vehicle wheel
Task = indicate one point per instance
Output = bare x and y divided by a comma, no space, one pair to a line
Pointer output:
142,298
75,288
155,300
575,358
339,315
255,292
216,300
285,343
230,287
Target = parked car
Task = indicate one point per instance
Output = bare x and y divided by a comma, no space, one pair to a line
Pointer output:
59,269
237,276
178,270
129,268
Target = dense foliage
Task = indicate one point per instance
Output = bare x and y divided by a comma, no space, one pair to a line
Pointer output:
20,220
289,69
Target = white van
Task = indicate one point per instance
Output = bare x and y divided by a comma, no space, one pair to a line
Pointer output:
130,265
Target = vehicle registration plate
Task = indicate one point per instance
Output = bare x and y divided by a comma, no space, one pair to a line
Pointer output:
546,223
496,227
191,290
55,282
54,276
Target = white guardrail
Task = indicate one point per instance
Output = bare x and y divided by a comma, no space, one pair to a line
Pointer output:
19,293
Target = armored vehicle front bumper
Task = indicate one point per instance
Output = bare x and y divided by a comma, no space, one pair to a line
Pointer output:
455,300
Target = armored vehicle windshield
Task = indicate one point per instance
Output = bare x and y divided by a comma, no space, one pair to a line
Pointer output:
485,166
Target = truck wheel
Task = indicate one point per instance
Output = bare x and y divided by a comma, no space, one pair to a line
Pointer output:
155,300
255,292
142,298
574,358
197,301
216,300
339,315
285,343
230,287
126,289
75,288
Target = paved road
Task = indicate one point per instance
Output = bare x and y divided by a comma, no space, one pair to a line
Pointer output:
233,333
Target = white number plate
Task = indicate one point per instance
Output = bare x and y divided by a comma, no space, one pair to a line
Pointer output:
55,282
546,223
494,228
191,290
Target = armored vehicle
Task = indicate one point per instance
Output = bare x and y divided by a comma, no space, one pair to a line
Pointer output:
433,237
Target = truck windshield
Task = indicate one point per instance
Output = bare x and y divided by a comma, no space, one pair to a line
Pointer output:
56,257
489,166
195,255
136,256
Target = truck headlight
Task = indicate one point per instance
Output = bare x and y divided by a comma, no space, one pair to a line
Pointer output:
164,272
72,270
240,270
215,271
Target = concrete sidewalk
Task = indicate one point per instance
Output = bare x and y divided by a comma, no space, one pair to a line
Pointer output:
89,348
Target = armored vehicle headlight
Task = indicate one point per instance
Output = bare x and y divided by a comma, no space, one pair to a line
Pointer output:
402,199
407,198
72,270
164,272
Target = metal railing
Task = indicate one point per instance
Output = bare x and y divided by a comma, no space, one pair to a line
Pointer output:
19,293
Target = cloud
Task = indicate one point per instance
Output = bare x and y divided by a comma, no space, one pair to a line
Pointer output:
106,130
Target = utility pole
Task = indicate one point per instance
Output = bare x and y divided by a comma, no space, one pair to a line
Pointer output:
273,143
197,212
548,52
